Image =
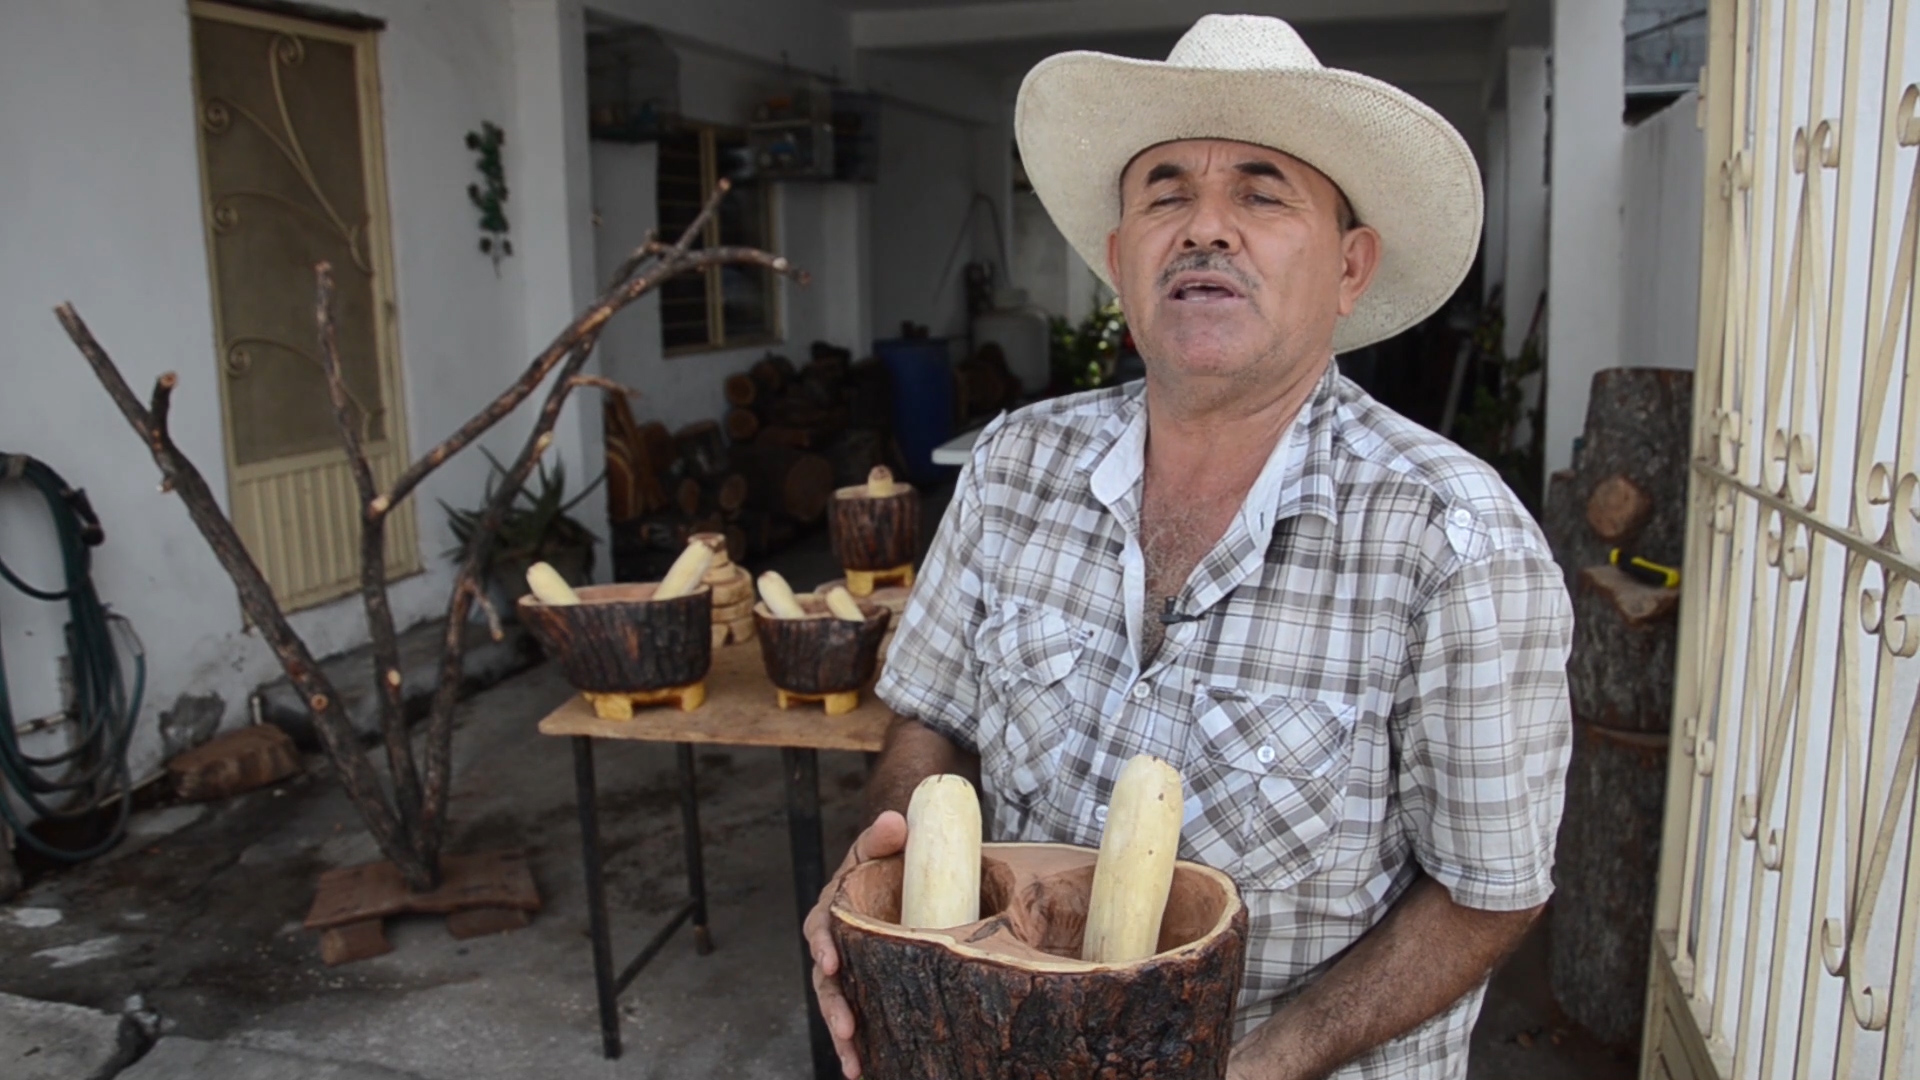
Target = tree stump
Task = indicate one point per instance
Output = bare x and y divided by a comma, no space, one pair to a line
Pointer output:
740,390
1639,430
619,639
741,424
1008,997
1625,640
820,654
875,533
1607,862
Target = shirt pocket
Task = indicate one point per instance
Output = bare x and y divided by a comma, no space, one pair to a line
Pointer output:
1270,774
1026,656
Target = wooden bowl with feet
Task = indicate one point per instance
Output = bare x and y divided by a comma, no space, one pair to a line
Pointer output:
622,648
820,657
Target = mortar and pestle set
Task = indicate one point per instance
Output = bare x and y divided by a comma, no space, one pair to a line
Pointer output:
628,646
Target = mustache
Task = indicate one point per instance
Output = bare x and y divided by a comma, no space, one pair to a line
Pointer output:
1206,261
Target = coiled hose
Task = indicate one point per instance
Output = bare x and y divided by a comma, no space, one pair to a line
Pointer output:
74,784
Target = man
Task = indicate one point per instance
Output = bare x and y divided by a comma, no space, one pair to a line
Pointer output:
1343,630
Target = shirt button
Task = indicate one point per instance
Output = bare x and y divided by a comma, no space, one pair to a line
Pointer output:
1265,754
1461,517
1140,691
1100,814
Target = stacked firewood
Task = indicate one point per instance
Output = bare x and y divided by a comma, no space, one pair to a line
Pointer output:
760,474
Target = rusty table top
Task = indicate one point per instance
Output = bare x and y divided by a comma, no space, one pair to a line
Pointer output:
739,711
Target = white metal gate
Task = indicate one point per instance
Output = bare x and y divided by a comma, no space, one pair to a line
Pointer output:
1787,919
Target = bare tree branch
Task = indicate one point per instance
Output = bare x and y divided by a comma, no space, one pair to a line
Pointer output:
256,596
383,635
601,382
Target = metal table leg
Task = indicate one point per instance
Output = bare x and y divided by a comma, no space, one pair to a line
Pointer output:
809,877
590,862
690,834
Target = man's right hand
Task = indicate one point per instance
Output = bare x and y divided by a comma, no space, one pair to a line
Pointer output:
886,836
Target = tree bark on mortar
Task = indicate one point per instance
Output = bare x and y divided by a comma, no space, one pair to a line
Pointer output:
871,533
407,815
1007,996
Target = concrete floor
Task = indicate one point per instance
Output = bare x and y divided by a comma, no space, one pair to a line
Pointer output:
194,925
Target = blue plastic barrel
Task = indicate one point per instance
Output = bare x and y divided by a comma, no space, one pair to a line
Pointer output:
922,378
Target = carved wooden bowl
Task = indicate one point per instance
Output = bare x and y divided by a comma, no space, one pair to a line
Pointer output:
871,533
1007,996
820,654
618,640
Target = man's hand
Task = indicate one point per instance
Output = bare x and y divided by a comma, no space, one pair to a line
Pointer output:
886,836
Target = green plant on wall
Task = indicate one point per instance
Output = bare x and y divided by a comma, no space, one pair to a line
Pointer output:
492,198
1490,425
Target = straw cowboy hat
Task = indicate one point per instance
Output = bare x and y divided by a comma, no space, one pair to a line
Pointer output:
1082,116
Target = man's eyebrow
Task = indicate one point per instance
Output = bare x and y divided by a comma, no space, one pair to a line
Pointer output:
1166,170
1258,167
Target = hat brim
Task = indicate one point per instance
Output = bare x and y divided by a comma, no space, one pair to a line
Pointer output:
1082,116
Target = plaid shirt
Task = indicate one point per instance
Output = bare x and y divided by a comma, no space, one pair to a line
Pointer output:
1375,682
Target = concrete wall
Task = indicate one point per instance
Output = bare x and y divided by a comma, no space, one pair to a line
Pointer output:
96,97
1525,224
1586,217
1665,168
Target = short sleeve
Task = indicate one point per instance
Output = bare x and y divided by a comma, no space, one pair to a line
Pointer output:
931,674
1482,728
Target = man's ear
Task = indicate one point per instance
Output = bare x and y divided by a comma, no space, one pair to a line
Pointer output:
1113,258
1359,256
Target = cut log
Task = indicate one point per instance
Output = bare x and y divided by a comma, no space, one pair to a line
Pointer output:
1605,871
238,761
874,533
620,640
740,390
793,482
741,424
820,654
1639,423
771,374
1625,639
687,497
702,448
1007,996
1617,509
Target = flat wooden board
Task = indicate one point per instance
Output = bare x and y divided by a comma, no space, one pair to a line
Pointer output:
740,711
494,879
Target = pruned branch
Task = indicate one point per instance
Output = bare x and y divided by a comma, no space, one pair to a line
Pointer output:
256,596
411,827
382,634
627,287
601,382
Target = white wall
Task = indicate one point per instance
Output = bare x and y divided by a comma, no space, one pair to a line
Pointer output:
1665,169
1493,170
1585,220
1525,226
88,87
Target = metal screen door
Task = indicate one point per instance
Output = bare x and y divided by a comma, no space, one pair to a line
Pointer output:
292,172
1786,921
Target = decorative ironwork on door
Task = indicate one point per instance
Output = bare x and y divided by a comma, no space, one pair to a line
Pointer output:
1788,917
292,172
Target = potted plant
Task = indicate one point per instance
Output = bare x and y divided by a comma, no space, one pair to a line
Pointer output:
536,529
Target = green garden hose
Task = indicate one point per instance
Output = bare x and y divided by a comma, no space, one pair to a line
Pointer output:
75,783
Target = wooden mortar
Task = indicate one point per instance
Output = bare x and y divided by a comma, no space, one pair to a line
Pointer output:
820,654
618,640
1008,997
871,533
